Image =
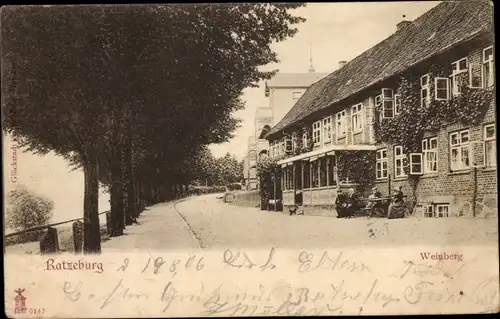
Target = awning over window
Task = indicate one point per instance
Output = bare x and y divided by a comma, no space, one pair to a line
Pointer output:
329,150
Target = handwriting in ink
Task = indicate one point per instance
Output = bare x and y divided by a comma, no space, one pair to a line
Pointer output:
309,262
123,293
124,266
242,260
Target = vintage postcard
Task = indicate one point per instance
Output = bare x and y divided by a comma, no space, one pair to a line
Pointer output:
260,159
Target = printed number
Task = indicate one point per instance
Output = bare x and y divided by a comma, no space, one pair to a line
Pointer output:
37,311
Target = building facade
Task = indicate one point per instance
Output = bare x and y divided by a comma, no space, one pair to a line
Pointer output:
416,114
282,91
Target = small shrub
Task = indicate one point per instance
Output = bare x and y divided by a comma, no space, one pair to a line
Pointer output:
26,210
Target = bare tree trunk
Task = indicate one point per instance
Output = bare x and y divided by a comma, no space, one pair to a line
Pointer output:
92,232
116,193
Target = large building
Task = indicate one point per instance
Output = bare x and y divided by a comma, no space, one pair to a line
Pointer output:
283,91
417,110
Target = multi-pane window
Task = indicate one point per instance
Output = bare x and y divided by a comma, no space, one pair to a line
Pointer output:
288,144
437,210
305,140
490,145
430,155
381,164
425,91
307,175
357,118
316,133
441,88
294,141
277,148
341,124
322,172
460,150
387,101
442,211
288,177
488,73
400,162
314,174
327,129
459,75
332,177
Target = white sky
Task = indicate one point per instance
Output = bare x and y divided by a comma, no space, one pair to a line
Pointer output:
336,32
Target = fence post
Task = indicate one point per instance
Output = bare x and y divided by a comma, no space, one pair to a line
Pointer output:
78,236
49,243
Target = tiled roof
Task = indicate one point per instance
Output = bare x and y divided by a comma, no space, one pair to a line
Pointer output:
440,28
302,80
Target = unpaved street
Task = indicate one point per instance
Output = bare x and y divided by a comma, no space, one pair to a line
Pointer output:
206,222
217,224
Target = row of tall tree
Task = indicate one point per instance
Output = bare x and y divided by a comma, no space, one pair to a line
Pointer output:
222,171
133,94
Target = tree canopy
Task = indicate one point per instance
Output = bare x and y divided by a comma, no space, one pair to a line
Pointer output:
132,93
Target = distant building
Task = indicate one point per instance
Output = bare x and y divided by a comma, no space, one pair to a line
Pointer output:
283,91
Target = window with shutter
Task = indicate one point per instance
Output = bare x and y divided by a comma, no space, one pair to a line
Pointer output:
397,104
425,91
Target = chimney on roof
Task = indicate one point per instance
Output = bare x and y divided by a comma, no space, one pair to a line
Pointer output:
341,64
403,24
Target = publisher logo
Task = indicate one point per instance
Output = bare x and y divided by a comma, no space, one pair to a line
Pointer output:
20,301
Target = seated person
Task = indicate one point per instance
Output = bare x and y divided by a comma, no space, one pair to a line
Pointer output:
340,204
396,208
375,194
352,203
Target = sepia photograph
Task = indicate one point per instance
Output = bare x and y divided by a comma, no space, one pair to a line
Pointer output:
254,144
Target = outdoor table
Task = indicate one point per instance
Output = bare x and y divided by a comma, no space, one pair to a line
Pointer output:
383,200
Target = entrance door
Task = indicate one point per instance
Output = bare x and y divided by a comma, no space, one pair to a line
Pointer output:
297,186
